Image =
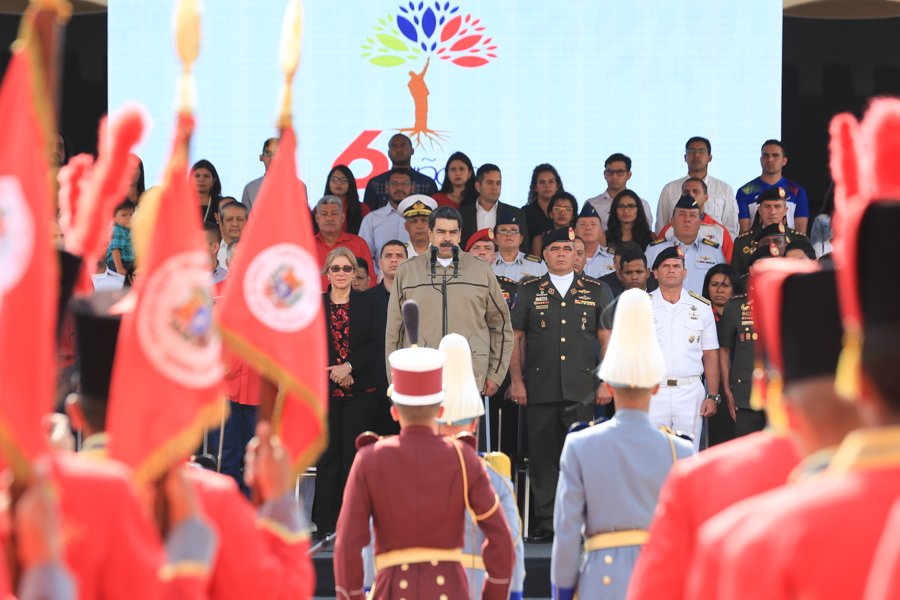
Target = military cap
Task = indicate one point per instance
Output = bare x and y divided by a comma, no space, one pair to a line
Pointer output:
563,234
634,358
507,217
462,398
96,334
773,193
670,252
686,201
765,251
417,205
773,229
588,210
809,351
486,234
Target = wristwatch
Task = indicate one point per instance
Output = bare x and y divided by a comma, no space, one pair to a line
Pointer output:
717,398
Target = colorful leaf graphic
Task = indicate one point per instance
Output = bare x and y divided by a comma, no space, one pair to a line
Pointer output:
387,60
451,28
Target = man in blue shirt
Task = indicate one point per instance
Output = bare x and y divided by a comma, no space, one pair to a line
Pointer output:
773,159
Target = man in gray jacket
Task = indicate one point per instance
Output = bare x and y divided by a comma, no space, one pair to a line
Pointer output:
456,293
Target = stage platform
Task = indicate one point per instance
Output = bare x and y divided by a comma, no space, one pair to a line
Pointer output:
537,572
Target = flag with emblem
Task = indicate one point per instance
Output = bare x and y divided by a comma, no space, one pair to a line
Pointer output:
29,276
272,311
166,381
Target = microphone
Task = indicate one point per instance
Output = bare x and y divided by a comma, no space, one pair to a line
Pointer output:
456,261
434,253
410,312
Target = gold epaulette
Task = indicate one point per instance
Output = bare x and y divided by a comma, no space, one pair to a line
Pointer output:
659,241
709,242
697,296
533,258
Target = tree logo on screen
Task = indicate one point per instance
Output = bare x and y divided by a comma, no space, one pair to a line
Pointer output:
422,31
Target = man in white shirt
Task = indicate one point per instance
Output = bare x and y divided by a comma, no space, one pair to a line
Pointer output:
252,188
617,172
387,222
686,330
482,214
722,205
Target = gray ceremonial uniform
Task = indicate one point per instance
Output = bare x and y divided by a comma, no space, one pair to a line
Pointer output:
699,258
475,539
523,265
602,262
610,477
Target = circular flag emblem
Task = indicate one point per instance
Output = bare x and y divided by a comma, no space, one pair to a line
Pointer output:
16,233
174,321
282,287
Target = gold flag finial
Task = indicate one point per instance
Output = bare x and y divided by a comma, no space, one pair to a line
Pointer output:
187,44
291,37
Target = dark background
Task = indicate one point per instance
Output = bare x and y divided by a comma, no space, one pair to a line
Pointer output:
828,66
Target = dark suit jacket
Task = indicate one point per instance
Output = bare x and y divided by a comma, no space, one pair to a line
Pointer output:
364,340
380,298
470,223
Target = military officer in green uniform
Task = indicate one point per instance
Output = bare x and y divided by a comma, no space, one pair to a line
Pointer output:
769,228
557,323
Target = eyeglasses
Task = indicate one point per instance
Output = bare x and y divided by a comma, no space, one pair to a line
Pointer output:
507,232
616,172
627,206
339,268
563,209
339,180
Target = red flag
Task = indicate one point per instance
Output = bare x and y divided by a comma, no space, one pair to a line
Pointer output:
29,275
166,380
272,310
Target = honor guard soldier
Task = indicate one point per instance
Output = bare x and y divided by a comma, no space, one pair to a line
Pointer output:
772,211
259,552
417,487
557,321
686,330
800,542
700,253
462,409
884,576
606,505
511,262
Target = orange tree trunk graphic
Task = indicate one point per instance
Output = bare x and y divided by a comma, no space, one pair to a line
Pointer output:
429,30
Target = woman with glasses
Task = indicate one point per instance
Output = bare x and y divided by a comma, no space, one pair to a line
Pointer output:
627,222
342,183
353,360
562,209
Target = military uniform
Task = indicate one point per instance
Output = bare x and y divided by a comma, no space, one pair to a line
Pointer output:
745,245
738,335
524,265
884,576
498,469
699,257
608,502
736,470
560,337
509,287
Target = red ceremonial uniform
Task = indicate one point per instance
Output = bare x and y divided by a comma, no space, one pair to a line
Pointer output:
884,576
110,544
414,487
257,557
697,489
816,538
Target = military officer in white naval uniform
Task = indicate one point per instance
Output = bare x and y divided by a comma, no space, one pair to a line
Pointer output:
686,330
603,507
700,253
